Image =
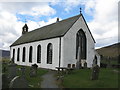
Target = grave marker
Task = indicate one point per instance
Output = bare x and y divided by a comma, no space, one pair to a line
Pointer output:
95,72
33,70
5,81
18,82
12,70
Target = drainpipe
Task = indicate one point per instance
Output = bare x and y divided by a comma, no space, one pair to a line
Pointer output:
60,52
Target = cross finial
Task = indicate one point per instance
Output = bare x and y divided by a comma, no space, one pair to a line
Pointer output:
80,10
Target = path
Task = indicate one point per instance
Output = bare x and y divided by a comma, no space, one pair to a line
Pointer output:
49,80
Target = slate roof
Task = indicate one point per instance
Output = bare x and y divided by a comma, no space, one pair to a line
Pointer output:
57,29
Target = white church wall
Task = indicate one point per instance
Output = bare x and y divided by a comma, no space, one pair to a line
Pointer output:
43,43
69,44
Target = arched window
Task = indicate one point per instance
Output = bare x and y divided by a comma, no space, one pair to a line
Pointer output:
38,54
13,58
18,54
49,53
30,54
81,43
24,54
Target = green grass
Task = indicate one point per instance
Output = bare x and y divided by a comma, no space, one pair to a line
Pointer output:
81,79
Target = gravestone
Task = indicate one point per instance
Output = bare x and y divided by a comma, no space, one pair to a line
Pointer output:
4,69
18,82
33,70
5,81
23,71
85,65
109,62
95,72
12,70
78,65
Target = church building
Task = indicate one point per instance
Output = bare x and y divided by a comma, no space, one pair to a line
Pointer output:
65,43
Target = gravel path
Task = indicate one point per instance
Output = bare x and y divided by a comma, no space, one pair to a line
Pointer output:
49,80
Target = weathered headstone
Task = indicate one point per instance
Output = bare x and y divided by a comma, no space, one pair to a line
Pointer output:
5,81
109,62
18,82
4,67
33,70
23,71
94,61
12,70
85,65
78,65
95,72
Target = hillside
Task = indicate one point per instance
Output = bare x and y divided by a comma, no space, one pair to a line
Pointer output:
111,51
4,53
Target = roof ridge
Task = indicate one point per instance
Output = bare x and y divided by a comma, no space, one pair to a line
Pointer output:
53,23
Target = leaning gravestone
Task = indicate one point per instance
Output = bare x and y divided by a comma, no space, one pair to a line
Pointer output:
95,72
33,70
85,65
5,81
18,82
12,69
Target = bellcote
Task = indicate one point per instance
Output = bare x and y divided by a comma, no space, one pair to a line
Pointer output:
24,29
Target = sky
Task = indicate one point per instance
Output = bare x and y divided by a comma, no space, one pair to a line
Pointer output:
100,15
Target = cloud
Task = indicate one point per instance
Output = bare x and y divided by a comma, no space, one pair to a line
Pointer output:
69,4
42,10
8,32
104,25
11,28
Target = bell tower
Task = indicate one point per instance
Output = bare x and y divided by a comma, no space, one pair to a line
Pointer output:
24,29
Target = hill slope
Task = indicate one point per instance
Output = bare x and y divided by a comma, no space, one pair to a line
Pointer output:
111,51
4,53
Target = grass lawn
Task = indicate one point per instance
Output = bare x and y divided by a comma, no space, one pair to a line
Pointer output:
81,79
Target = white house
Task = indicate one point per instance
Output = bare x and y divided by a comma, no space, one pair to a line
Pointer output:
66,43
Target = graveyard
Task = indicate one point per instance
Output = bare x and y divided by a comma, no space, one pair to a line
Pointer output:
25,77
31,77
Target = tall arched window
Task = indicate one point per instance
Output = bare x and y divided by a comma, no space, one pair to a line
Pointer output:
24,54
30,54
18,54
81,43
38,54
49,53
13,58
